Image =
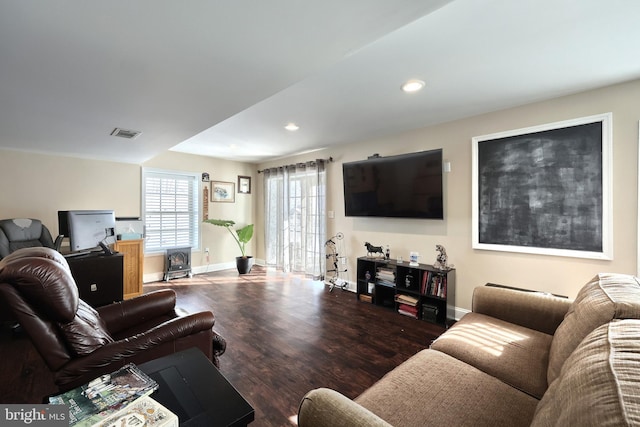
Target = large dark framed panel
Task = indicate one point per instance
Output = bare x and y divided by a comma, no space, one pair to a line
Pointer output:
545,189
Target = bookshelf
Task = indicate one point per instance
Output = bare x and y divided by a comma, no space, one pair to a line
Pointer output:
422,292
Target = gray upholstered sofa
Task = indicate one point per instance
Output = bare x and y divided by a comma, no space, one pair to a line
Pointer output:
518,359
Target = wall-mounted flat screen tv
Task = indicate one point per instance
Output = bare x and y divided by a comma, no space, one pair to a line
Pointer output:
402,186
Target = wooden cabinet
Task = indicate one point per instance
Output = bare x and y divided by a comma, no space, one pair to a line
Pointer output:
419,291
98,277
133,265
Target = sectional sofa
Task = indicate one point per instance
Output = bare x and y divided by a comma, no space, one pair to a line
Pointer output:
518,359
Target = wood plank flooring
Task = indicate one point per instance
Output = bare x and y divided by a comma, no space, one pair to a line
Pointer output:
287,335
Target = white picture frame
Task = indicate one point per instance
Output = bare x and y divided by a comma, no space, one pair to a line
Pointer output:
528,185
222,191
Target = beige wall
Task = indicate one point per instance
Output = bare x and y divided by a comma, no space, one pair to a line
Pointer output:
222,247
37,186
561,275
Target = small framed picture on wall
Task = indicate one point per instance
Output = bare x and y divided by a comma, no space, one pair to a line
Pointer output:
223,191
244,184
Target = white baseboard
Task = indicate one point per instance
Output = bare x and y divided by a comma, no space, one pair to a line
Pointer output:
159,276
459,312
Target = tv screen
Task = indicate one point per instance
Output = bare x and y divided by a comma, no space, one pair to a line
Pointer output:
86,229
403,186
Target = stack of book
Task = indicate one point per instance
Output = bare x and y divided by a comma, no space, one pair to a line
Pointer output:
117,399
386,276
434,285
407,305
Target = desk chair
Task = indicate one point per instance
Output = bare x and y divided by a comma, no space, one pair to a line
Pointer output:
20,233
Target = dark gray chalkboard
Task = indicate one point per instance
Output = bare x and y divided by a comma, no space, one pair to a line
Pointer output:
542,189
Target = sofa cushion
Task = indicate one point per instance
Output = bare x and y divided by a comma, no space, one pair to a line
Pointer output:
607,296
517,355
598,384
86,332
433,388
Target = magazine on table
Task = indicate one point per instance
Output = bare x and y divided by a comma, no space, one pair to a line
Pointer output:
104,396
145,412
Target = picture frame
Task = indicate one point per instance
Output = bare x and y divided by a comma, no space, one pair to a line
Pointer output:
222,191
244,184
545,189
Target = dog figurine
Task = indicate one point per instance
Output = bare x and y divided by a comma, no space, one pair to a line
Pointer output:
371,250
441,258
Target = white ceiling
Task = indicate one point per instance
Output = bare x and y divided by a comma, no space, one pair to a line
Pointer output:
222,78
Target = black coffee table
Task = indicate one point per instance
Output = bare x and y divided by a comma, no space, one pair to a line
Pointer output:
193,388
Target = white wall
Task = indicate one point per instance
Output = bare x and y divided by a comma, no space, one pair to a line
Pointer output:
560,275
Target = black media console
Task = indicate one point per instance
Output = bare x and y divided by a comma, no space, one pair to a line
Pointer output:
99,277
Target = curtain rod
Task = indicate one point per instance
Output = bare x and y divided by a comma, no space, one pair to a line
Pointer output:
329,160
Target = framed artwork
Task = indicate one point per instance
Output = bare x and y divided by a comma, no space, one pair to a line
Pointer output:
223,191
244,184
545,189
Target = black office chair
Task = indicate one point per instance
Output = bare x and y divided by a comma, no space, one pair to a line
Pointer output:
21,233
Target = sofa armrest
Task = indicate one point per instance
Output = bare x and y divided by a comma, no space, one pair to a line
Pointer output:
534,310
325,407
125,314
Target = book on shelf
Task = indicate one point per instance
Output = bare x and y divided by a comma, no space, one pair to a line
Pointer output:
386,276
146,412
388,283
105,396
408,310
407,299
434,285
426,279
365,298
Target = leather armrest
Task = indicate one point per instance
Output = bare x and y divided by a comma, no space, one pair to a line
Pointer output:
534,310
326,407
121,350
125,314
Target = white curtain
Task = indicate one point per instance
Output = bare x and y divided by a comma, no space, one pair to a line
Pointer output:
295,227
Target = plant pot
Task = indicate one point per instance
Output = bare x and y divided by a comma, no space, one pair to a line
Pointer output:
244,264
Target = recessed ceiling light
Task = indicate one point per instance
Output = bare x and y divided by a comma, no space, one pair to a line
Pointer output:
413,85
291,127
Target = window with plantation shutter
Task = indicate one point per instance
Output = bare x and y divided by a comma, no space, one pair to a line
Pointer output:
170,206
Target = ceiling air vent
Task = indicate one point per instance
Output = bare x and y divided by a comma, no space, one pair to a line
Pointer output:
126,133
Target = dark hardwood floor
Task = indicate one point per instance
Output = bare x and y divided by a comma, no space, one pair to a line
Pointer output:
287,335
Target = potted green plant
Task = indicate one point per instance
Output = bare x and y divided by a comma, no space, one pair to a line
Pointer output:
242,237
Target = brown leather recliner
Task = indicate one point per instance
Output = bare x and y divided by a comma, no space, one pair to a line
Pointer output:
79,343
